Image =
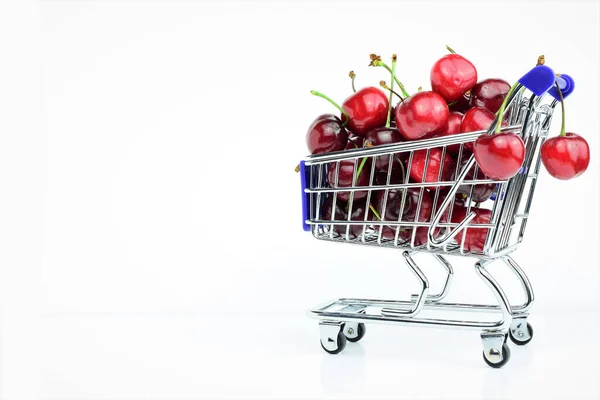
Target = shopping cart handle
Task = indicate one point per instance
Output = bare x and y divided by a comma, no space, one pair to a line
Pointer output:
305,196
566,84
539,79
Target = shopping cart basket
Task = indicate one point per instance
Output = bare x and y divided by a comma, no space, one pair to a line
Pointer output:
430,227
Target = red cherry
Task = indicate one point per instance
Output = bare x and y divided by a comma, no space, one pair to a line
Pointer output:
383,136
396,177
452,75
499,156
489,93
476,119
367,109
411,216
461,105
326,134
452,128
474,239
341,214
411,202
566,157
421,115
345,175
419,161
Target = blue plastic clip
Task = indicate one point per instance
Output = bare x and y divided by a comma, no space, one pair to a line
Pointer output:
566,84
539,80
305,196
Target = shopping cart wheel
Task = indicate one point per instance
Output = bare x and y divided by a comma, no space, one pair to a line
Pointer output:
333,339
339,345
354,331
521,332
495,350
495,358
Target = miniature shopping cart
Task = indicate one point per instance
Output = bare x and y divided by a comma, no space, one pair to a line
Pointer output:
529,110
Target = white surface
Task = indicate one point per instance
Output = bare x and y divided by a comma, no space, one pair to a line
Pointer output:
135,139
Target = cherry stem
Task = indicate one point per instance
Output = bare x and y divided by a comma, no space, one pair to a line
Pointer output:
314,92
360,168
562,105
377,62
500,112
352,76
385,86
450,49
389,113
374,211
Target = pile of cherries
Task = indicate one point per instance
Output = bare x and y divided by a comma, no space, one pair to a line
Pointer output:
458,102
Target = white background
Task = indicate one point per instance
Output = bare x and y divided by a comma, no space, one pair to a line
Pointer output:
150,237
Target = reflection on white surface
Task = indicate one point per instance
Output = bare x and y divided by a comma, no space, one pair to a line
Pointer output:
157,357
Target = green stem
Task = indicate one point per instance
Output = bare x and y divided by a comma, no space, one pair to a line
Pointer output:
319,94
360,168
374,211
376,61
450,49
352,76
562,106
389,113
500,112
386,87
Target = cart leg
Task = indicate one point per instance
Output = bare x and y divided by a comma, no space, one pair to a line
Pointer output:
495,351
420,301
521,331
332,338
432,298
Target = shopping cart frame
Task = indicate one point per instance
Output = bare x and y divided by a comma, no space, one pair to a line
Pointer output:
344,319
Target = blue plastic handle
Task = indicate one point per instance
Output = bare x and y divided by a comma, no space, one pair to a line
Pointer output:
566,84
305,196
539,79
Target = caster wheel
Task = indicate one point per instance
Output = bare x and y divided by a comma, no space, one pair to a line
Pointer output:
520,337
354,332
341,344
495,360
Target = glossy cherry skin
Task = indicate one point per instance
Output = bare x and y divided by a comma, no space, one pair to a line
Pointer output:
419,161
566,157
489,93
421,115
452,128
462,105
476,119
474,239
383,136
345,175
499,156
452,75
326,134
367,109
481,191
354,142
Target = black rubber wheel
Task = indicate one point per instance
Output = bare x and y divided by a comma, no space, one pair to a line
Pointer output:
506,353
341,344
520,342
361,333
